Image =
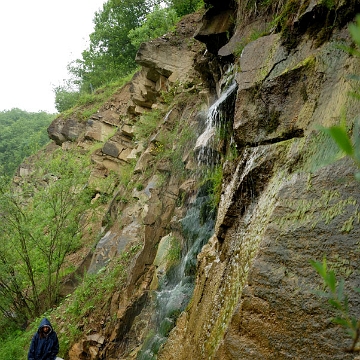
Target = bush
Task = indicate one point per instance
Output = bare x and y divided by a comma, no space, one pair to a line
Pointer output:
64,98
157,23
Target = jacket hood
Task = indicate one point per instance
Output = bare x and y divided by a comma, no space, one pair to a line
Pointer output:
45,322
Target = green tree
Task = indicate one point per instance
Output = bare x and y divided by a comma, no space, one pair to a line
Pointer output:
157,23
110,54
22,134
184,7
65,97
41,224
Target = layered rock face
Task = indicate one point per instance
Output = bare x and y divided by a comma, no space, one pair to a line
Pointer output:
283,201
281,206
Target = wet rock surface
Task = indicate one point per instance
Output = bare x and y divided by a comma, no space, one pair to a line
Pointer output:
280,205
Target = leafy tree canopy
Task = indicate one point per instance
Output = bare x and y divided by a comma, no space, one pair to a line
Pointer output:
120,27
110,54
157,23
22,133
41,223
183,7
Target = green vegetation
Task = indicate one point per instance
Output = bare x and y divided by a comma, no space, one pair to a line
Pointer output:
22,134
89,297
48,216
215,177
83,104
334,289
158,22
40,226
254,35
119,28
338,301
174,253
173,146
183,7
110,54
337,298
147,123
74,310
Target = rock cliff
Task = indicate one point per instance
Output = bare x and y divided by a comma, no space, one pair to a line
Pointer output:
283,202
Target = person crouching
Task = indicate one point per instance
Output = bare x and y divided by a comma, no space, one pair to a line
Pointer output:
44,344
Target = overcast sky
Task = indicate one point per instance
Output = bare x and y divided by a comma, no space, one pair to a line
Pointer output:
38,39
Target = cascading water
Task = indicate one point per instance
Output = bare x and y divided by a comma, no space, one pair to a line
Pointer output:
218,115
177,285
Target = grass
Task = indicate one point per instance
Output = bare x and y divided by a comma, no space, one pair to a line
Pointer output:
174,253
89,103
147,123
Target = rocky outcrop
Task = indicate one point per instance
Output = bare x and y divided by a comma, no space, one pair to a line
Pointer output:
279,316
283,200
217,24
280,207
138,219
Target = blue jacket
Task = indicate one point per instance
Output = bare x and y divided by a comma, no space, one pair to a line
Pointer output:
45,348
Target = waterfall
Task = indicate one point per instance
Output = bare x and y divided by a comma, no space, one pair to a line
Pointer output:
197,226
217,118
176,287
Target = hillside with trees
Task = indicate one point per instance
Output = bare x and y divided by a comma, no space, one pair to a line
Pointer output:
22,134
203,172
119,29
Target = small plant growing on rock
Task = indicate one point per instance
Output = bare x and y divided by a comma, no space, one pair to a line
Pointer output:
334,289
339,301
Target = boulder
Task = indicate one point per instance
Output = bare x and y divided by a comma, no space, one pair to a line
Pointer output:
165,58
98,130
61,130
214,32
111,148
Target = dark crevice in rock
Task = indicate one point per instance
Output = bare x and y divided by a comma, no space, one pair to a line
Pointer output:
272,68
297,133
217,25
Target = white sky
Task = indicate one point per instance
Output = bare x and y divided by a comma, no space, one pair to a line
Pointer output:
38,38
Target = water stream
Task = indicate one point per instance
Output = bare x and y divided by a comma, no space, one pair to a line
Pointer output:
177,285
217,120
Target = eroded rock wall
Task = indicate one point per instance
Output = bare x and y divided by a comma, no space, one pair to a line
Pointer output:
281,206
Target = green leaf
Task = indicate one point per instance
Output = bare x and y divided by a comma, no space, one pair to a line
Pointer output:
349,50
338,133
335,304
354,94
354,323
354,30
319,267
340,321
357,176
331,281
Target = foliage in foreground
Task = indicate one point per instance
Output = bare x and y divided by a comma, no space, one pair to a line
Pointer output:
339,301
350,147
